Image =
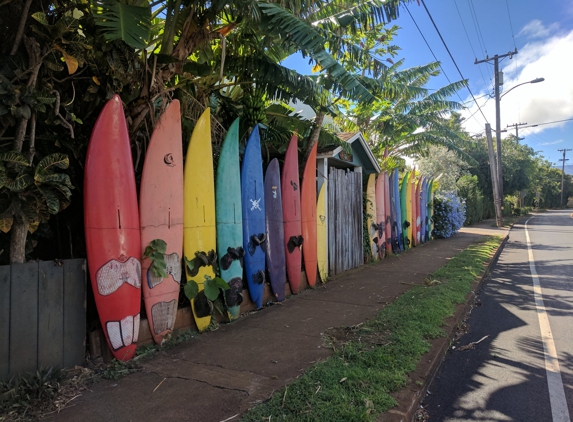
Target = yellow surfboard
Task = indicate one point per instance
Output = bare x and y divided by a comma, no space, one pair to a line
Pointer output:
322,234
371,211
199,232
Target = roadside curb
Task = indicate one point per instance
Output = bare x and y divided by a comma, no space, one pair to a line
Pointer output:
410,397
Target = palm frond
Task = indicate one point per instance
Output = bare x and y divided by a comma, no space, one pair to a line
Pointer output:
284,25
121,21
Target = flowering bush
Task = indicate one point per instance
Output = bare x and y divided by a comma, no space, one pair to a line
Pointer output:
449,215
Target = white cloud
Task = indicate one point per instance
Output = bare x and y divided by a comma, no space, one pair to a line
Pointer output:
536,29
551,143
547,101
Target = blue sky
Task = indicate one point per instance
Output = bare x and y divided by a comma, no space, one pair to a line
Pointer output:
543,34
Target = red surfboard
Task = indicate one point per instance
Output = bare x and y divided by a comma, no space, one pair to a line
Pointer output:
161,217
308,220
290,189
111,221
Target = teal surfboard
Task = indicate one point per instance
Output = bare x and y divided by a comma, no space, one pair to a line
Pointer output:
230,220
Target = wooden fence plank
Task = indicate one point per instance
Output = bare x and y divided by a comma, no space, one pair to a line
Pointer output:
50,314
24,318
4,322
75,305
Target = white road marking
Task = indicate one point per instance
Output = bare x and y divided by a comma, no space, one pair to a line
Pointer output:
557,399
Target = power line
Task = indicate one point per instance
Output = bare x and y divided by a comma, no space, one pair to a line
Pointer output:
477,27
469,41
550,123
510,24
452,57
428,45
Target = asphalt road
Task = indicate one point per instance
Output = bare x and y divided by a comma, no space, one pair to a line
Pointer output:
523,369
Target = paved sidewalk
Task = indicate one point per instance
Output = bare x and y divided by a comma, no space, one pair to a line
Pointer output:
223,373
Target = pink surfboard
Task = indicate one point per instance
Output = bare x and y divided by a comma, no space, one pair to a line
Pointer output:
290,189
161,217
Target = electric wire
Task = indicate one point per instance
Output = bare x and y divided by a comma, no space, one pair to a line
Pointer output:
436,59
469,41
428,45
549,123
477,27
452,57
510,24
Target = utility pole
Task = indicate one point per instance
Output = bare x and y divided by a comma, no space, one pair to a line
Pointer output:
494,181
516,126
564,151
498,82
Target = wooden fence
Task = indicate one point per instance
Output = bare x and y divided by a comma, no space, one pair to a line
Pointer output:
345,249
42,315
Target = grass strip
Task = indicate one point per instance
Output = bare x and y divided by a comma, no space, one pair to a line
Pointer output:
355,383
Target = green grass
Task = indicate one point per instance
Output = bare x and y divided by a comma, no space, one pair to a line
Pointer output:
356,382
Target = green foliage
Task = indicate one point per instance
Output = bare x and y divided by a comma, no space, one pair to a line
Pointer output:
29,390
120,20
155,251
472,195
32,193
372,361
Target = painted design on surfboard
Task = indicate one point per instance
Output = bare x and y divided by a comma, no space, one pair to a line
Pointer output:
114,274
255,204
173,269
123,333
163,315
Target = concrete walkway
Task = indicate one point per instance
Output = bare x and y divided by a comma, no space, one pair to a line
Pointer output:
221,374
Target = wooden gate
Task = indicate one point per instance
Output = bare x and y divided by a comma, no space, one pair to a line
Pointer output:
42,315
345,249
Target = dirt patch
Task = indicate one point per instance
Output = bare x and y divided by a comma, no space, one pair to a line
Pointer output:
338,337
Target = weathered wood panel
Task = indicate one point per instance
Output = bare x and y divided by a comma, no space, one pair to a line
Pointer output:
24,317
344,220
4,321
74,305
42,315
50,314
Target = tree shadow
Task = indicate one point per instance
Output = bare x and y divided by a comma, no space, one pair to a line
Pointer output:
490,382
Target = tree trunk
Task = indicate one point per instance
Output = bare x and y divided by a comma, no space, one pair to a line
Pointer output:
19,230
315,133
18,242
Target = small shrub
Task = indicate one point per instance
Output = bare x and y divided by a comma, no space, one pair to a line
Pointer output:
449,215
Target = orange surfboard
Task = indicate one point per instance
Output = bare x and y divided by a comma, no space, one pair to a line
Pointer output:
308,217
161,217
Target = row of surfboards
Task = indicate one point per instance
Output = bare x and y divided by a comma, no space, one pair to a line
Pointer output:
399,212
237,219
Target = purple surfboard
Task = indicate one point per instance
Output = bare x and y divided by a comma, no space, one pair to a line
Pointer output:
275,250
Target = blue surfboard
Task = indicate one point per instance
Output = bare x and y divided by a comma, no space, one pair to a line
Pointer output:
253,205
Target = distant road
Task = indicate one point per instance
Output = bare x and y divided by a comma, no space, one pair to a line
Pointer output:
523,370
